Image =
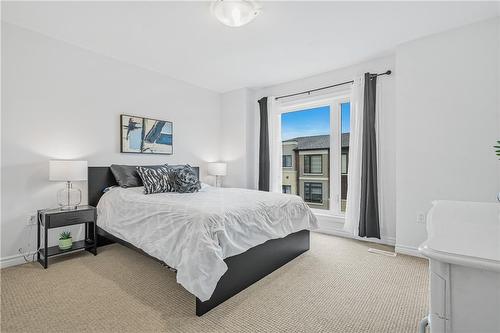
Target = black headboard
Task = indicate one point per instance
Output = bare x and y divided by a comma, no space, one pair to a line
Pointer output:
101,177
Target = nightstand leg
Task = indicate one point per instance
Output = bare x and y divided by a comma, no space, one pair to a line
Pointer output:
95,238
38,237
86,231
46,247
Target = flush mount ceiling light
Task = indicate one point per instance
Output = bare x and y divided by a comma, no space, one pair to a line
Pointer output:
235,13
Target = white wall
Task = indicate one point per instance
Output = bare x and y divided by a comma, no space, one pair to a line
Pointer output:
387,135
448,119
63,102
234,118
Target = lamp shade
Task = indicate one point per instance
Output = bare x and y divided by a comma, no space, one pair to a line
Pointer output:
65,170
217,169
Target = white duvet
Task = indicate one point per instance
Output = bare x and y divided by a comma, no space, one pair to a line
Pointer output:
194,232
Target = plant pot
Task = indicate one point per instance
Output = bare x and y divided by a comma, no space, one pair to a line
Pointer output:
65,244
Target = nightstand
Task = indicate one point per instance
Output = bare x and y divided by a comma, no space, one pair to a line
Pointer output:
56,218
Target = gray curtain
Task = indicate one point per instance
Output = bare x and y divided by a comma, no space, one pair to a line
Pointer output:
263,147
368,219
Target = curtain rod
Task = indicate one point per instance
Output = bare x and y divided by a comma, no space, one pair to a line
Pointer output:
389,72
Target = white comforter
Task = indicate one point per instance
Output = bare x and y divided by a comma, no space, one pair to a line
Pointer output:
194,232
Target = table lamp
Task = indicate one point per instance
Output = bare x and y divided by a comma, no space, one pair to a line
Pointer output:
68,171
217,169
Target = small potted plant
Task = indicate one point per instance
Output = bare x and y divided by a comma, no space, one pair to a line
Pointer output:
65,240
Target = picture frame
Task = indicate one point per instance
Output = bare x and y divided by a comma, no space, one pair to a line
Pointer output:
142,135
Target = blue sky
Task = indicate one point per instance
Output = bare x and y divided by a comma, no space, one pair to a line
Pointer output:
314,121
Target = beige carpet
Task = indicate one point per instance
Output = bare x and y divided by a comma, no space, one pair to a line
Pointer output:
337,286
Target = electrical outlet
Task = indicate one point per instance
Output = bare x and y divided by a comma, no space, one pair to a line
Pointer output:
421,218
31,220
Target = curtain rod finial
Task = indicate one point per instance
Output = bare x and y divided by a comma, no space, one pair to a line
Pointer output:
389,72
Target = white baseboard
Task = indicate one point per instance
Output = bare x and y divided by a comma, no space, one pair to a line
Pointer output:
342,233
408,250
14,260
402,249
18,259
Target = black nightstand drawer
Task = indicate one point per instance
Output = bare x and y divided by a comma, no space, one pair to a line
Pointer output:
69,217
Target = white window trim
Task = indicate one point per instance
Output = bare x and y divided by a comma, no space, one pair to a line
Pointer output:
313,152
336,155
333,100
313,178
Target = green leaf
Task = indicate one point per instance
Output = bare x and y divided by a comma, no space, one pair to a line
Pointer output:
65,235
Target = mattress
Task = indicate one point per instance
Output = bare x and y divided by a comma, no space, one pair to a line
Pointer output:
194,232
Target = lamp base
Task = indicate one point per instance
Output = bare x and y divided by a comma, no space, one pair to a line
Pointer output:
69,198
218,181
68,208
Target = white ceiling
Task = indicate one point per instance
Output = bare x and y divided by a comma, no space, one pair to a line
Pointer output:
289,40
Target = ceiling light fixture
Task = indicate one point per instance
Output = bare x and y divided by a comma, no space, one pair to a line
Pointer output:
235,13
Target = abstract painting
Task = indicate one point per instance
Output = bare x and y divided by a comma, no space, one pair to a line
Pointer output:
145,135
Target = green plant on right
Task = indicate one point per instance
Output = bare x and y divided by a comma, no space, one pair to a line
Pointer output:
65,235
497,148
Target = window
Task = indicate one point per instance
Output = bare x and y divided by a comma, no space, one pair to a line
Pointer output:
313,192
315,134
343,166
287,161
287,189
313,164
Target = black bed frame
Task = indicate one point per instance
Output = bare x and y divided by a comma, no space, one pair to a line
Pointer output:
243,269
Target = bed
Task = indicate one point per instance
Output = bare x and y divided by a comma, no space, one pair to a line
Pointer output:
213,238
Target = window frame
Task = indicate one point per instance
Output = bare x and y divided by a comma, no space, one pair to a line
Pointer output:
334,101
310,184
310,164
283,159
283,188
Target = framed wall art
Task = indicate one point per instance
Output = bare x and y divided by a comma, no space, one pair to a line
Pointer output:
145,135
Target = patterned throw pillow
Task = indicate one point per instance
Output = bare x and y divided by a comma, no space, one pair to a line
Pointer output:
156,180
185,179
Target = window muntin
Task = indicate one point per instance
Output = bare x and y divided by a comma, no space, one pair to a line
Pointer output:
313,192
287,161
313,164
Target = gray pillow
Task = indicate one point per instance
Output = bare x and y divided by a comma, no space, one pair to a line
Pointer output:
185,179
127,176
156,180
